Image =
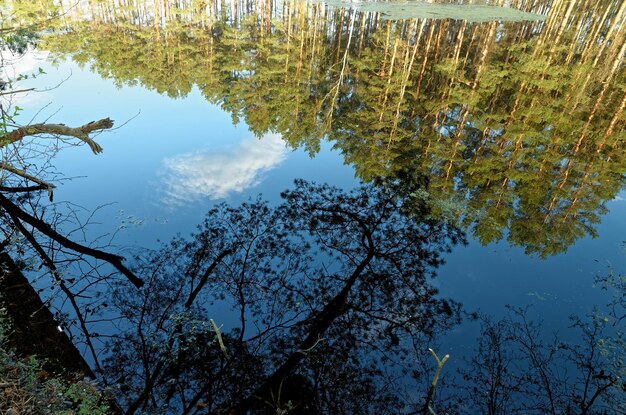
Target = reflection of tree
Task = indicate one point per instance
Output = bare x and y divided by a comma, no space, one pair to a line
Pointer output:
17,185
516,370
329,289
331,311
325,275
32,229
332,304
520,126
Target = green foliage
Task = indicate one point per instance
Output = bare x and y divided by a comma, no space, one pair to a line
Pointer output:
25,388
509,126
86,397
19,40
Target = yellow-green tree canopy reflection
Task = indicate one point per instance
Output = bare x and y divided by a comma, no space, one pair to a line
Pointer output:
520,126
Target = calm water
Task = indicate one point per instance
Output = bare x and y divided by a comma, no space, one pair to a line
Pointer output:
519,127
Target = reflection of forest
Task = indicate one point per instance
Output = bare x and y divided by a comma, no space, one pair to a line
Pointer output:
331,303
519,126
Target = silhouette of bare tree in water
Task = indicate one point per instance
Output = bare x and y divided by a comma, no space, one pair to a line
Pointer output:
325,287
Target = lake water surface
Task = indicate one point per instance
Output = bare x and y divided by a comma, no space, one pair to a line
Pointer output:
517,123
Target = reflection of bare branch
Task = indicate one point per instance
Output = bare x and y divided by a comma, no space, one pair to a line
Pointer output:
194,293
25,175
49,263
16,91
22,189
82,133
47,230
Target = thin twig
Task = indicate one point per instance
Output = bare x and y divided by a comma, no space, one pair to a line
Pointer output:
433,385
219,339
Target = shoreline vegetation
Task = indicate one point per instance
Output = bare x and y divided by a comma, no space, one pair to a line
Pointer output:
34,329
41,370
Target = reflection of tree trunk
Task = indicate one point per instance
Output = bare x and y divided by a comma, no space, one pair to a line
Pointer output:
459,134
338,34
318,326
574,45
316,19
440,34
501,192
34,329
428,42
486,49
303,36
607,82
614,25
617,24
157,19
405,79
469,47
289,12
362,34
457,52
613,123
593,40
576,194
564,22
558,189
485,137
459,42
172,366
342,73
386,93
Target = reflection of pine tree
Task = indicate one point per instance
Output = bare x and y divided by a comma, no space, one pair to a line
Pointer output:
517,117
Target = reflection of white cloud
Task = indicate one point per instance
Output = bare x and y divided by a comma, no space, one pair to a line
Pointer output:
216,175
14,65
618,199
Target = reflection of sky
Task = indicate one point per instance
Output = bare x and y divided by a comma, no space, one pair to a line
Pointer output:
151,129
14,65
223,161
216,175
